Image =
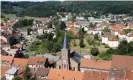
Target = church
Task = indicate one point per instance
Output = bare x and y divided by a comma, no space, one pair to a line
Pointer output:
67,60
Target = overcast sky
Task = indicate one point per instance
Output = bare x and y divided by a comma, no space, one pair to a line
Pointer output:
64,0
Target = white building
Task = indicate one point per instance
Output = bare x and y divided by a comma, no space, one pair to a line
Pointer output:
113,42
129,37
11,73
122,35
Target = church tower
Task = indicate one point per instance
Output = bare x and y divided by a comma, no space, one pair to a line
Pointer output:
64,50
64,61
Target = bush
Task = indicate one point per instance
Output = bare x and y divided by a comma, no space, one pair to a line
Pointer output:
94,51
106,46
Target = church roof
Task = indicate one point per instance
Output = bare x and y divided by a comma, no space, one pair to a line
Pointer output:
65,43
75,56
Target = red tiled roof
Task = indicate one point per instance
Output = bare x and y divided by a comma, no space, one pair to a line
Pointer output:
20,61
56,74
113,38
129,75
117,27
131,25
95,75
122,33
37,60
68,23
3,70
122,62
7,59
96,64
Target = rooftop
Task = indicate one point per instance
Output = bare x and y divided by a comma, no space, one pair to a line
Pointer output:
120,62
95,64
12,70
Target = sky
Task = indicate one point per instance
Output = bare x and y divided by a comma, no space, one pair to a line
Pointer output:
64,0
32,0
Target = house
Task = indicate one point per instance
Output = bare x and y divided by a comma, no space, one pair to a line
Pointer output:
117,28
113,42
93,20
122,35
38,61
7,60
120,62
95,65
7,48
4,39
3,71
129,75
40,73
63,74
130,26
121,68
117,75
42,30
3,52
69,23
68,60
129,37
19,62
81,24
105,37
95,75
11,73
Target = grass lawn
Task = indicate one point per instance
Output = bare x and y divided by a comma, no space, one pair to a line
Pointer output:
10,16
86,49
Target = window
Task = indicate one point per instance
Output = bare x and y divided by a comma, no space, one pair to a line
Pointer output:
59,67
64,65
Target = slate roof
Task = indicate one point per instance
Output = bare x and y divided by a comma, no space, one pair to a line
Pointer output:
75,56
12,70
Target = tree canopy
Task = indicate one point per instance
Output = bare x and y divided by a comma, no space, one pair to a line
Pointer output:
46,9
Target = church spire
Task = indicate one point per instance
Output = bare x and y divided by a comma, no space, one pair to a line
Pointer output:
65,43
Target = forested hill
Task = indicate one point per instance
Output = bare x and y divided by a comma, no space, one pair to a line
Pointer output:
43,9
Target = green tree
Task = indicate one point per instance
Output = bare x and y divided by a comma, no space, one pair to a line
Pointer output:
50,45
94,51
62,25
17,78
27,73
81,44
29,30
123,47
96,37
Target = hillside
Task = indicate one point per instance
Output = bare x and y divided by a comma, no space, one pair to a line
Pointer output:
44,9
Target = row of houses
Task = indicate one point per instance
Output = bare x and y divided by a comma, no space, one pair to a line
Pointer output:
119,68
17,65
113,38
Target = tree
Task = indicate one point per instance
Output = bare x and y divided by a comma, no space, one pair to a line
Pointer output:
106,29
29,30
50,45
96,37
27,73
123,47
19,54
17,78
49,25
81,33
94,51
81,44
12,41
62,25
